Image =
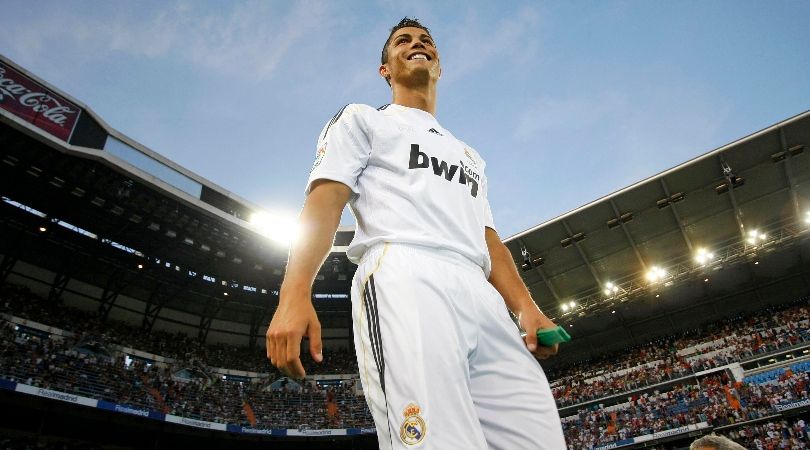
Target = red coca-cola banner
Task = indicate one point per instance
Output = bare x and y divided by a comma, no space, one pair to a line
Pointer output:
28,100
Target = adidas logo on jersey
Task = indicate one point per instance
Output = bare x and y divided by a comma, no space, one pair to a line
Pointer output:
434,131
420,160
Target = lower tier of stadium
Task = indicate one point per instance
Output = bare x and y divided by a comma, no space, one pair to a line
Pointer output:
731,376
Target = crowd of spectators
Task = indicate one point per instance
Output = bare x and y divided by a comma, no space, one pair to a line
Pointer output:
63,364
674,357
82,364
23,442
772,435
787,388
714,399
21,302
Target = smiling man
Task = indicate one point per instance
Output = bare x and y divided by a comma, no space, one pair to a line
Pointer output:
442,364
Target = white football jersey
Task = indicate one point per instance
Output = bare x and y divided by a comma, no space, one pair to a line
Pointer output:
413,182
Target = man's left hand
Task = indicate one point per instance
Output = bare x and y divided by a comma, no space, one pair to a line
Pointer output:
532,319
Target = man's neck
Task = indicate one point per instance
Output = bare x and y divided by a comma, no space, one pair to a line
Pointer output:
423,98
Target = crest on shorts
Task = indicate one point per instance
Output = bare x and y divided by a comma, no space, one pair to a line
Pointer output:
413,428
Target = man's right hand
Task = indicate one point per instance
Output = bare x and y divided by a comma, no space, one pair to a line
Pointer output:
294,319
295,316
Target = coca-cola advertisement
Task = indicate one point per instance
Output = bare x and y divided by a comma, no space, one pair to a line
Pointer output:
28,100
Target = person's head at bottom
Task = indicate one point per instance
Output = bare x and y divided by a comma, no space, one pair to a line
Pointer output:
715,442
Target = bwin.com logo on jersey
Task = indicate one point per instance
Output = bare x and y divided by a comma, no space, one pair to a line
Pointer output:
413,428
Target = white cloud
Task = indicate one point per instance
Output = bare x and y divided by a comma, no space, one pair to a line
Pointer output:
476,43
251,39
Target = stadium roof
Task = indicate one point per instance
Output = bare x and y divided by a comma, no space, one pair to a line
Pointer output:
744,206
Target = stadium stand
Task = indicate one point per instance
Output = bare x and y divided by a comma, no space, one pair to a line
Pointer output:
86,364
780,434
620,399
673,357
132,285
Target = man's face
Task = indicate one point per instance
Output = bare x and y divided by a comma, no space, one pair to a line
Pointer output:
412,58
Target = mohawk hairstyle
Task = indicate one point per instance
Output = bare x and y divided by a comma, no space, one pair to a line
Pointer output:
404,23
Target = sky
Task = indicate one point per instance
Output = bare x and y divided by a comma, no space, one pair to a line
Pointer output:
567,101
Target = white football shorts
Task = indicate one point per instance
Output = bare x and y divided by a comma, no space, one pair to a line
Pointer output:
441,362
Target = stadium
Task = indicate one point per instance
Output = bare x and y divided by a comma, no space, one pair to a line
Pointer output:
135,296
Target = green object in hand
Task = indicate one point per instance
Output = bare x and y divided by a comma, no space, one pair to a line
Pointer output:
551,336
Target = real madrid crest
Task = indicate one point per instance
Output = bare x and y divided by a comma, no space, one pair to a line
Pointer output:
470,157
319,156
413,428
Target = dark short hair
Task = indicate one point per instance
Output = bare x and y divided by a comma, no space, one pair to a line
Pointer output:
404,23
716,442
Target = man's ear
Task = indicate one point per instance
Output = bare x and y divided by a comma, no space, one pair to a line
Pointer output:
384,71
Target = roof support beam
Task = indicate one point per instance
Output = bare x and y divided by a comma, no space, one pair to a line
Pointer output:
257,320
737,211
153,306
11,253
209,314
115,284
543,277
677,216
6,266
789,174
628,236
160,297
583,256
626,326
60,281
119,280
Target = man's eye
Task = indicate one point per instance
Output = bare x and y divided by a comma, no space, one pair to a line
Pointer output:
401,41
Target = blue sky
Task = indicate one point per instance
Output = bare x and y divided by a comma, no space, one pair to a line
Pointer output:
566,100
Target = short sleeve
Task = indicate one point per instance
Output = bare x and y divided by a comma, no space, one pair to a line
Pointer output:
343,149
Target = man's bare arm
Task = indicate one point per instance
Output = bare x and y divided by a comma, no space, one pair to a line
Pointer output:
506,280
295,316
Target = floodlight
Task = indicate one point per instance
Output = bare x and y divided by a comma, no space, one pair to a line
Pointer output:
564,307
703,256
656,274
755,236
807,217
278,227
572,305
611,289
